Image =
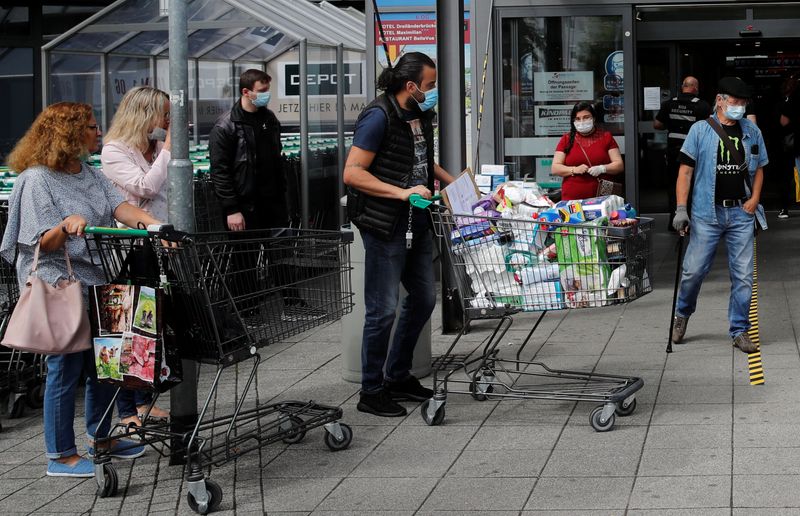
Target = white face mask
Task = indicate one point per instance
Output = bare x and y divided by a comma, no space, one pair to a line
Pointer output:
158,134
585,126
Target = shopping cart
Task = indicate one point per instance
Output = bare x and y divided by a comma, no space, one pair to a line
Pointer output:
502,267
230,293
208,215
22,374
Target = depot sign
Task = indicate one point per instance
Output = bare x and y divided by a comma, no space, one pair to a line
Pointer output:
322,79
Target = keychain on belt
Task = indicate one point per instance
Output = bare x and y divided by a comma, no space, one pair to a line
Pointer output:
409,233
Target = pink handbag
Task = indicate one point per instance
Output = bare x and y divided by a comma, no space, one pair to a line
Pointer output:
49,320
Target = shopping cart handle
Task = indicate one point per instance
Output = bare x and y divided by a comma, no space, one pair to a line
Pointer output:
162,231
125,232
419,201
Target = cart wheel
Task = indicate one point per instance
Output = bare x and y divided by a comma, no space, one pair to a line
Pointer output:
110,481
438,417
297,433
214,498
17,409
597,424
35,396
626,411
478,395
338,445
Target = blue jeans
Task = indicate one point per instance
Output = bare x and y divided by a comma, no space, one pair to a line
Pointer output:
63,374
128,400
736,226
386,265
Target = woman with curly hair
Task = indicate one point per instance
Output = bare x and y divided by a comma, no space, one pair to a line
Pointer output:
135,156
54,198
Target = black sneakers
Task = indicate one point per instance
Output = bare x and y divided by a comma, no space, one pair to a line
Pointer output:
409,389
380,404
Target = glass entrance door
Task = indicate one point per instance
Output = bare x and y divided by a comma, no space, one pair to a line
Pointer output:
549,59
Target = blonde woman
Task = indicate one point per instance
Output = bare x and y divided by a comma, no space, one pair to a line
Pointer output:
54,198
137,147
135,157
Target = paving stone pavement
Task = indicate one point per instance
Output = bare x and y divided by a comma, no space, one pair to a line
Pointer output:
701,442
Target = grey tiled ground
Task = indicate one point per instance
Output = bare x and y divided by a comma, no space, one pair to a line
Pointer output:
702,441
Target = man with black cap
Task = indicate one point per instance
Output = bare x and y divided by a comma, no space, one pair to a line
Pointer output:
677,116
725,202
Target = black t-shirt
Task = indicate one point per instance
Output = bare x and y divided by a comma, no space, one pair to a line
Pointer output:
729,183
791,110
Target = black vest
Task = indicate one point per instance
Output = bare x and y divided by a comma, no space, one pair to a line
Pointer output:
393,164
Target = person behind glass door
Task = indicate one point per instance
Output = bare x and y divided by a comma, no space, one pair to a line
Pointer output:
790,122
677,115
585,155
135,157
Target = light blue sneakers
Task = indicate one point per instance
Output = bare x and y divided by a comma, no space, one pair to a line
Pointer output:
122,449
84,468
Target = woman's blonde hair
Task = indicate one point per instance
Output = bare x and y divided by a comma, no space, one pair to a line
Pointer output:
57,136
141,109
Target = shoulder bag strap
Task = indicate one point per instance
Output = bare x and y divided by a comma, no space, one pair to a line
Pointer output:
35,264
737,155
584,153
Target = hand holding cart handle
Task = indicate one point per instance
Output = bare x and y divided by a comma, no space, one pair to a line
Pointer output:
165,232
419,201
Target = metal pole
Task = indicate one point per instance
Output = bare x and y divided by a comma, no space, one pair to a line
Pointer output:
304,157
340,129
183,398
369,12
452,127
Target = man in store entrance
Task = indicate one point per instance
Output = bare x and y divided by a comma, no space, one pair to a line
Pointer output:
677,115
392,158
725,205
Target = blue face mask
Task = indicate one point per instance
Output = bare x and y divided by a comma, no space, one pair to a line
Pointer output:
431,99
262,99
734,112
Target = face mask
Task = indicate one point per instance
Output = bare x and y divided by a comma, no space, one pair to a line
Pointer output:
158,134
734,112
431,99
584,127
262,99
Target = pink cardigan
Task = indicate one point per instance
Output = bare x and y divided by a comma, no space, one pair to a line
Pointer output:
141,184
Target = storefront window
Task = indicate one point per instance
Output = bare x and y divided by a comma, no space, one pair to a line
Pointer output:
16,95
549,64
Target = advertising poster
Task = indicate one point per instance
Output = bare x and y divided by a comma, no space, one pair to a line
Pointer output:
557,86
145,319
552,120
107,352
127,334
114,308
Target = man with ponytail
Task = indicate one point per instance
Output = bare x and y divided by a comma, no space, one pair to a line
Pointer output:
392,158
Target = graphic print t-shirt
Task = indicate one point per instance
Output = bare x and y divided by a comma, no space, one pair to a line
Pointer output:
729,180
419,174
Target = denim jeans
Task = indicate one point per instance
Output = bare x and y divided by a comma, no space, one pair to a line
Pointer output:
63,374
387,264
128,400
736,226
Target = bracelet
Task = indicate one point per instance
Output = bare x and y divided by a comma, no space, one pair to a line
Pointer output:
573,171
